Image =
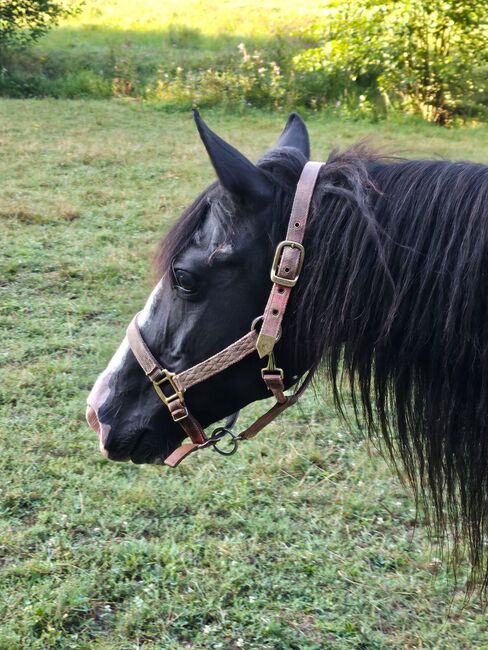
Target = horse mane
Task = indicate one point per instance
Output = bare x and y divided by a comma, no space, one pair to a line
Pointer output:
392,307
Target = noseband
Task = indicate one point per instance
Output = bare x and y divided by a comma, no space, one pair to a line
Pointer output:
171,387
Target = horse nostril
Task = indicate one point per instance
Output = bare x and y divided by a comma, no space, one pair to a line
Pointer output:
92,419
98,427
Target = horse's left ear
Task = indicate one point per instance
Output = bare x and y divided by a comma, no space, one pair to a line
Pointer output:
295,134
237,174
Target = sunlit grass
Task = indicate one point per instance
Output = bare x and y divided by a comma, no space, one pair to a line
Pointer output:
155,27
230,17
140,42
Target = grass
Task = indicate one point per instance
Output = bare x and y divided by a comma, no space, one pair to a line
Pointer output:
189,34
225,18
109,49
304,540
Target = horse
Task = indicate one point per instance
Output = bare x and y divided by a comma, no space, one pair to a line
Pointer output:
390,305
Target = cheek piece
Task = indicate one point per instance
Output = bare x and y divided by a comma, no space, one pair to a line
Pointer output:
171,387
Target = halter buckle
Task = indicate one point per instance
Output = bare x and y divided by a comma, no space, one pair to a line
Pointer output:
271,368
277,279
167,377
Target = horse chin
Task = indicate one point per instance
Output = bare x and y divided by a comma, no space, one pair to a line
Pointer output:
139,455
152,448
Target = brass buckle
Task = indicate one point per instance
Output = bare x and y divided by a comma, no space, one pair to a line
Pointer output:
275,371
271,368
277,279
177,393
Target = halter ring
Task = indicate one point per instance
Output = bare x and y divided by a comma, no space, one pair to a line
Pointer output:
218,434
259,319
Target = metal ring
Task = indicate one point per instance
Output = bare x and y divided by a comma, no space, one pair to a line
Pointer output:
218,435
261,318
256,321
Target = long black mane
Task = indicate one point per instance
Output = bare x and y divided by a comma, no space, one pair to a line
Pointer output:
393,306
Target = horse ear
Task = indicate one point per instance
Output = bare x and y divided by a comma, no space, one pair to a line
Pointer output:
236,173
295,134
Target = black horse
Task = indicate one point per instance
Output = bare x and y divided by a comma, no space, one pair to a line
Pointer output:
392,305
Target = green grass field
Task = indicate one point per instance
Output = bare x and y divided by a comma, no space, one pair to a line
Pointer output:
109,48
241,18
304,540
185,33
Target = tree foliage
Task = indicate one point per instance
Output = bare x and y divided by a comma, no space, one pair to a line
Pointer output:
22,21
424,55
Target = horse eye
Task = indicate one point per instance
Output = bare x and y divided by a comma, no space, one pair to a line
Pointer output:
184,280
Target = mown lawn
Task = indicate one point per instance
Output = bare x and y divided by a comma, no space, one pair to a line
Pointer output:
304,540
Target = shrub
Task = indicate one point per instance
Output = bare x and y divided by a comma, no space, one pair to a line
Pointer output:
363,58
83,83
254,80
420,56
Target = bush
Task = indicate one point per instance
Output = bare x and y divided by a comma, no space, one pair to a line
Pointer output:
253,80
84,83
419,56
363,59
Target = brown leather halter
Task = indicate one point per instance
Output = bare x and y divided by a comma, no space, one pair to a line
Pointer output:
171,387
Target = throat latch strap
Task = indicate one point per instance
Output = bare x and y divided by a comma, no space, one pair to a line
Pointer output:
285,271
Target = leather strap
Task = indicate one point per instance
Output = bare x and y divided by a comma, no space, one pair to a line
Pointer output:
196,374
218,362
180,453
291,259
190,425
274,382
275,410
141,352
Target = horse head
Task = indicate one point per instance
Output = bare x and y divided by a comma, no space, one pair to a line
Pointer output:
214,281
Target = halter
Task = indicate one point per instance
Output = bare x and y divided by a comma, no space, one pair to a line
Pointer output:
171,387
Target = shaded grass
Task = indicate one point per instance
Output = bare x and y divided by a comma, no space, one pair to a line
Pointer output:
303,540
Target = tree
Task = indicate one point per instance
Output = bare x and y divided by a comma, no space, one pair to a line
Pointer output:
22,21
420,54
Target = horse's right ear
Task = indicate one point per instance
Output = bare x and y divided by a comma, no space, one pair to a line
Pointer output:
295,134
246,182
